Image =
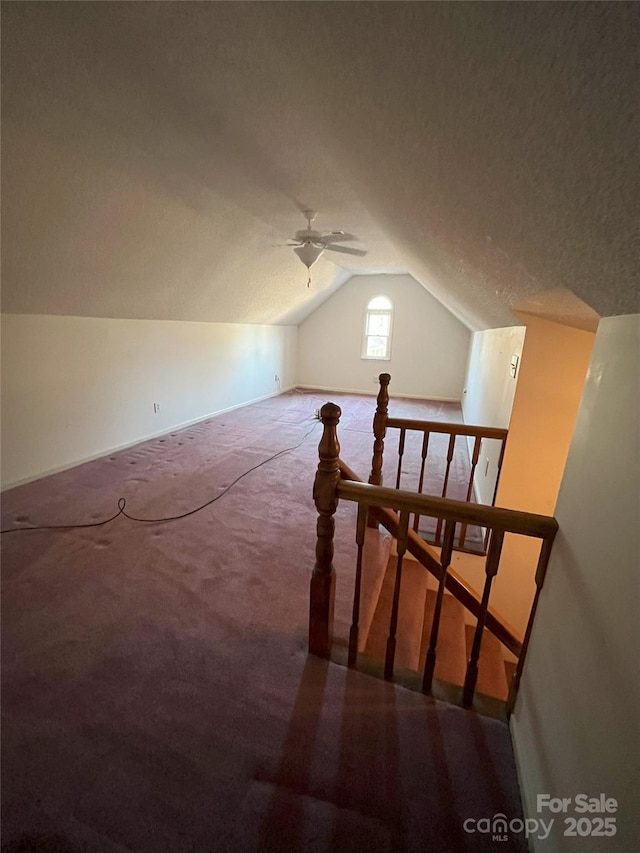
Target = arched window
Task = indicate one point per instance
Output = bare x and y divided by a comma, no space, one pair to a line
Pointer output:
377,328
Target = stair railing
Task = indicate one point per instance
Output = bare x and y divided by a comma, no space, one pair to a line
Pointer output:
382,422
392,509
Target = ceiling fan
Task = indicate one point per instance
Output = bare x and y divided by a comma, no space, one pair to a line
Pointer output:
309,244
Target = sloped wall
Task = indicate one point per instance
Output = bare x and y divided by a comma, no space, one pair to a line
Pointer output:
74,388
428,350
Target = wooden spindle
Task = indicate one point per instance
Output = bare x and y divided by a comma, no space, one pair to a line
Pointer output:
452,442
491,569
380,429
424,452
326,501
499,469
400,455
355,619
403,535
541,571
445,559
495,488
474,461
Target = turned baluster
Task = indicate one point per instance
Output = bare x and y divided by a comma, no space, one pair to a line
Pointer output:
491,569
326,501
445,559
424,452
541,571
379,432
403,535
503,447
355,619
495,488
452,443
400,455
474,462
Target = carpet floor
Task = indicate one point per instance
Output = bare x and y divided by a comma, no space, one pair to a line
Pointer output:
157,693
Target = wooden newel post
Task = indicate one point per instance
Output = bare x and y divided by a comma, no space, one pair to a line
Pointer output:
323,579
379,432
380,429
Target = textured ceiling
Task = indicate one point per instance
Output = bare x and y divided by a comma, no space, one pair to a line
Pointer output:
154,154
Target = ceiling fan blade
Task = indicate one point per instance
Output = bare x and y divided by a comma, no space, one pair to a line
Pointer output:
347,250
337,237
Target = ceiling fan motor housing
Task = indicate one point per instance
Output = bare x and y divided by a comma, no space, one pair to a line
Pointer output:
307,234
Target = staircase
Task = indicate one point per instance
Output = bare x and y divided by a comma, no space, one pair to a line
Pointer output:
415,620
415,615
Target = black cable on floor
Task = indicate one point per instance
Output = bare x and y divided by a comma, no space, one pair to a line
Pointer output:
122,502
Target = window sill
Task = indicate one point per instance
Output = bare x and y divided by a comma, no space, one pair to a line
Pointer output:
375,357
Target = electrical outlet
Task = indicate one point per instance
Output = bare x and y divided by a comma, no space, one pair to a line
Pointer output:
276,378
156,408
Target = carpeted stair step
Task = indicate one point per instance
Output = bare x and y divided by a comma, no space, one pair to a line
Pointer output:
451,654
415,615
492,677
413,592
375,557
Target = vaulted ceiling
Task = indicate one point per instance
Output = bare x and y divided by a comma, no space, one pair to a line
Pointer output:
155,154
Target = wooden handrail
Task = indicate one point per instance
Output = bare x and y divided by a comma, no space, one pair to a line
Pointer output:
507,520
347,473
448,428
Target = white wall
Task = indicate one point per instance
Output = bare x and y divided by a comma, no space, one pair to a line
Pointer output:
488,394
575,727
428,350
74,388
551,374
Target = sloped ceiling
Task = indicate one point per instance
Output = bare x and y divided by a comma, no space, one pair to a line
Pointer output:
155,154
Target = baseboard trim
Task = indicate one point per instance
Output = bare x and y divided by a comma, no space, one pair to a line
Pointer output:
116,447
527,796
374,393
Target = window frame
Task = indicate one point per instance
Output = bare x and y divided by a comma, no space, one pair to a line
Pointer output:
369,312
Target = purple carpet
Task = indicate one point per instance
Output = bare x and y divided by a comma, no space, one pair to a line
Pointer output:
157,693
